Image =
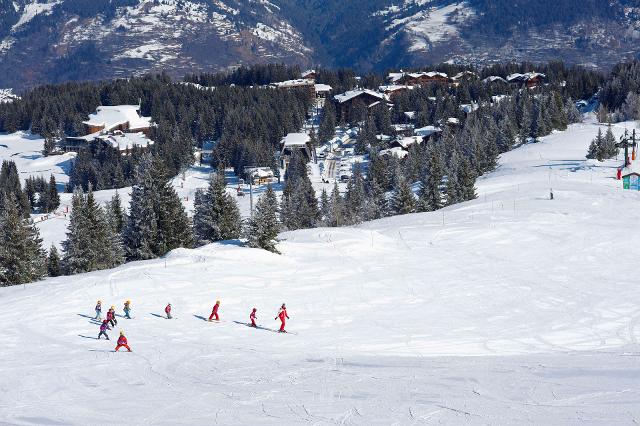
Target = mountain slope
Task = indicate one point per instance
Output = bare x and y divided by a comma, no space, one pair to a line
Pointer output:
505,308
57,40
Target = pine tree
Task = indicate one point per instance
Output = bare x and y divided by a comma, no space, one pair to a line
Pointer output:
355,198
325,207
117,213
22,259
264,227
595,146
430,194
337,208
217,216
53,262
466,180
76,247
53,196
10,185
608,148
141,226
404,201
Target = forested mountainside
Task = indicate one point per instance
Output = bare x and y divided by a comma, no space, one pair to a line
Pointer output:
44,41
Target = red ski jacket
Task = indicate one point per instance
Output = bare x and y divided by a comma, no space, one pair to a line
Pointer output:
283,314
109,315
122,340
253,315
167,309
215,308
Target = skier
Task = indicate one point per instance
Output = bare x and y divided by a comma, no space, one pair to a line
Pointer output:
98,310
167,311
282,314
111,316
214,313
122,342
127,309
103,329
253,317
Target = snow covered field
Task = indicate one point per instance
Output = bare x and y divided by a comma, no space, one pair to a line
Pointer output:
510,309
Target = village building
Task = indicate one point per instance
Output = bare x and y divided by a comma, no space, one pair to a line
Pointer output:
295,142
309,75
366,97
392,90
530,79
427,131
631,180
417,78
259,175
319,91
406,142
121,126
397,152
464,76
206,152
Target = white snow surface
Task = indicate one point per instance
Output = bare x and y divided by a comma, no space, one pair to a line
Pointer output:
509,309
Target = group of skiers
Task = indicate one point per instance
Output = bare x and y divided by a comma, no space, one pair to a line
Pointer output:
111,321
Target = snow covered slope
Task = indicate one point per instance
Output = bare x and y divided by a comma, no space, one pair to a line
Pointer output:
510,309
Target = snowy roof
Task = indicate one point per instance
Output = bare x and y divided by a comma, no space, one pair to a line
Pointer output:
394,88
396,152
410,115
7,96
493,78
301,82
351,94
260,172
323,88
517,77
307,73
113,116
426,131
406,142
295,139
464,74
402,127
453,120
397,76
124,141
469,107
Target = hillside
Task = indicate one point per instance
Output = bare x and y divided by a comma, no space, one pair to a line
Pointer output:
44,41
508,309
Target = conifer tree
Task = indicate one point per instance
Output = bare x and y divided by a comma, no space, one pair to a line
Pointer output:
325,207
217,216
337,210
609,148
10,185
53,196
22,258
53,262
76,247
264,227
466,180
355,198
117,213
595,146
404,201
430,194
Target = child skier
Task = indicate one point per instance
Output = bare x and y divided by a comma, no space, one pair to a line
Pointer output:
98,310
167,311
122,342
111,316
127,309
253,317
282,314
103,329
214,313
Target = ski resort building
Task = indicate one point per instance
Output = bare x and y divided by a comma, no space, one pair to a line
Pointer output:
121,127
418,78
364,97
530,79
300,142
393,90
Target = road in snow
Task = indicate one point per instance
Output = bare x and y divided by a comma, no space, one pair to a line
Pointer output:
510,309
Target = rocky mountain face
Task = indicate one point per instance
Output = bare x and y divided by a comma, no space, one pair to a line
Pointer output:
57,40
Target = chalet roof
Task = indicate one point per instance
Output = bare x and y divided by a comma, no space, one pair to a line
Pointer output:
124,141
517,77
397,76
410,114
426,131
113,116
394,88
307,73
323,88
295,139
467,108
463,74
352,94
406,142
301,82
396,152
260,172
494,78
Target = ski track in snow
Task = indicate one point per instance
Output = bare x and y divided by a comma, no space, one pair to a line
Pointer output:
516,310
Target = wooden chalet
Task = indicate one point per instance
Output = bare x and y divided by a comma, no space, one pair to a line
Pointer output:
530,79
300,142
366,97
418,78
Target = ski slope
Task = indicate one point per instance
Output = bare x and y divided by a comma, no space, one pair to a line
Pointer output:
509,309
